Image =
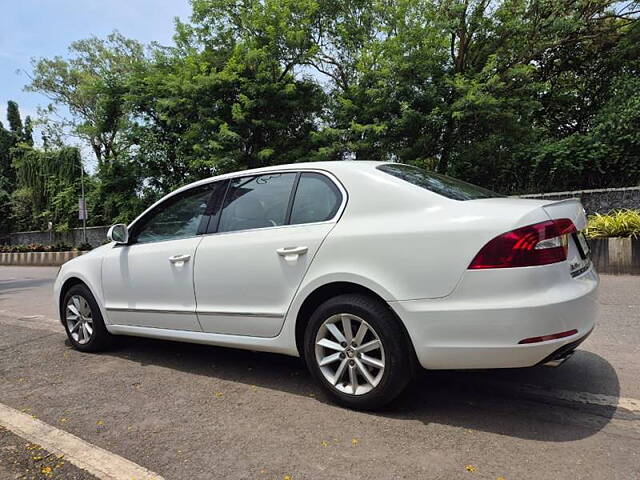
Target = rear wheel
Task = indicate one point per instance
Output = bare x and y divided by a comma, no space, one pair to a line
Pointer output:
83,320
357,351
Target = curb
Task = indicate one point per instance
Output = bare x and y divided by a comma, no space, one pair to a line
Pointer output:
38,258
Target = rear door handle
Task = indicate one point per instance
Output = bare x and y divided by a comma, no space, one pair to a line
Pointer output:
179,258
292,253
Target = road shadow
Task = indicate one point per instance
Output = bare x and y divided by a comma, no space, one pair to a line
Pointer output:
13,286
496,401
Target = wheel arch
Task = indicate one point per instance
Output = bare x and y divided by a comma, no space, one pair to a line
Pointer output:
68,283
66,286
332,289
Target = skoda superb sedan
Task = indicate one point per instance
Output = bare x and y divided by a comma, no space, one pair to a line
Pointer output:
364,269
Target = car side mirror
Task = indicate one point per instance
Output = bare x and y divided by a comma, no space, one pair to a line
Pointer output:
118,233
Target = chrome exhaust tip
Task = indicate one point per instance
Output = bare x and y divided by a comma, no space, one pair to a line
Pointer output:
556,362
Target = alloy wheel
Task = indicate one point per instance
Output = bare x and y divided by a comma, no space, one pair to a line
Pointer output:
350,354
79,319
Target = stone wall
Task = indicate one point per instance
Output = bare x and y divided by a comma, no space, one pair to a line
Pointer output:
601,200
95,236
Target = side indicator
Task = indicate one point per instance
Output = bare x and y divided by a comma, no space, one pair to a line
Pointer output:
546,338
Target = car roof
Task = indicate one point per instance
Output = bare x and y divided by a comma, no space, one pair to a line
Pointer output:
354,176
329,166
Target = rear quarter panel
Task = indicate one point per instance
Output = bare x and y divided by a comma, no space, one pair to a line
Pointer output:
405,242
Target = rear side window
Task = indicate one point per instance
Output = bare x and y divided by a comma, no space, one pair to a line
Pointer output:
256,202
317,199
441,184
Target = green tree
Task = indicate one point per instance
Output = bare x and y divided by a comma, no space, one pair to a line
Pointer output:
216,109
8,140
114,193
13,117
91,84
473,87
48,186
27,134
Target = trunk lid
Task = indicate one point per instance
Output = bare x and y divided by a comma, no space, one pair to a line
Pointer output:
570,208
578,254
521,212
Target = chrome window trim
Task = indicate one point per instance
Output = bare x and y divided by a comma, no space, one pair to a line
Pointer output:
329,175
261,229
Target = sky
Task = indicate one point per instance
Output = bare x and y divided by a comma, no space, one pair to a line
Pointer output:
45,28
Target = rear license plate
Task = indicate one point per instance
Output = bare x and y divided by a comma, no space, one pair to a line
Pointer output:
583,245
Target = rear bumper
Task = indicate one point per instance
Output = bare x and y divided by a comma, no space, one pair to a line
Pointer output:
564,352
481,323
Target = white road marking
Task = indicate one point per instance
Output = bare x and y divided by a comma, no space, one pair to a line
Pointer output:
630,404
95,460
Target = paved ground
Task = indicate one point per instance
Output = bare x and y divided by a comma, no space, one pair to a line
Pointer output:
196,412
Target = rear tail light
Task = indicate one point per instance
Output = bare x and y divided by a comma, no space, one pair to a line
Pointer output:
539,244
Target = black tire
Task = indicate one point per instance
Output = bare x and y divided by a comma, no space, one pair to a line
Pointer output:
398,353
100,338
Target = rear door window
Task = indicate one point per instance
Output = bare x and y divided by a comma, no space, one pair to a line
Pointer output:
256,202
317,199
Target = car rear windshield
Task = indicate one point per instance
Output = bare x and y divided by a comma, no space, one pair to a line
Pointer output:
441,184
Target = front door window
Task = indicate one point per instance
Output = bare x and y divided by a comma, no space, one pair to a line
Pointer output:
178,217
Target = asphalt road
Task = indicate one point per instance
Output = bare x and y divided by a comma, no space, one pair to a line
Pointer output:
196,412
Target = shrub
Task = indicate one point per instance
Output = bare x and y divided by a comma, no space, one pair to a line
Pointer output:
619,223
35,247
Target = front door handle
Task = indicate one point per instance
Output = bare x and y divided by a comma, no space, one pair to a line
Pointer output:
179,259
292,253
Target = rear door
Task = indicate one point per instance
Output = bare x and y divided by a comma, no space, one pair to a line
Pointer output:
259,246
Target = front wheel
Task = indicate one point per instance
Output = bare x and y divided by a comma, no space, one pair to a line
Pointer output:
357,351
83,320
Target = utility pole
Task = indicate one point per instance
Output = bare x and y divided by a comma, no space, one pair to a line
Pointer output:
84,204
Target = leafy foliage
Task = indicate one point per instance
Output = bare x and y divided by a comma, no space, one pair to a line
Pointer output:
37,171
38,247
47,186
13,117
91,84
215,111
114,195
620,223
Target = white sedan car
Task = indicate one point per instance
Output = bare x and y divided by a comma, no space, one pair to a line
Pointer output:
364,269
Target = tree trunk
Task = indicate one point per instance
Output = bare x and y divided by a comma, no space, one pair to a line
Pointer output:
447,143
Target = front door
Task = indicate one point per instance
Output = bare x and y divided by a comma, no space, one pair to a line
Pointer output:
149,282
252,262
